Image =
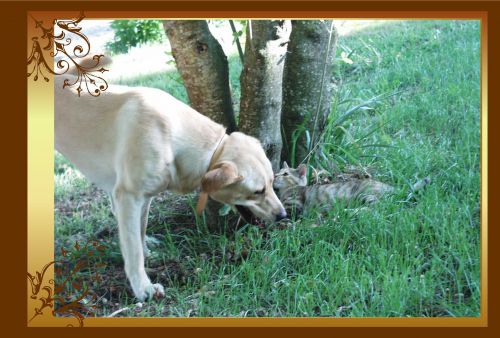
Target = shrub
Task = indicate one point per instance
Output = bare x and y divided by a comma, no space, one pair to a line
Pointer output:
130,33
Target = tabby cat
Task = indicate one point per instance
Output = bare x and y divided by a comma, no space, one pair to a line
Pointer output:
294,192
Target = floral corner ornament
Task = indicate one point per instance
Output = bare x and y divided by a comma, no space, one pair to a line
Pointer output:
70,56
69,295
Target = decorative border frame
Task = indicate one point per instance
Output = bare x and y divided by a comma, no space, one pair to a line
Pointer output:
40,210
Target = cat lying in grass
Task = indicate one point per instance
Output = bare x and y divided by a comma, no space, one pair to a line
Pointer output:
295,194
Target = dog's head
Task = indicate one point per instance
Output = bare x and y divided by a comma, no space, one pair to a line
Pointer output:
242,176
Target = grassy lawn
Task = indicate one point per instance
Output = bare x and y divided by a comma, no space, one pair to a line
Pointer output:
395,258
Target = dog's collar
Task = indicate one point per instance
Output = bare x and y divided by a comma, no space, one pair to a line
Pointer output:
203,198
216,153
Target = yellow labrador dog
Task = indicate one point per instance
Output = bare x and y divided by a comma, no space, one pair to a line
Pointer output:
137,142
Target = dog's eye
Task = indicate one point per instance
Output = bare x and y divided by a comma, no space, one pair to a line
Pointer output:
260,192
285,174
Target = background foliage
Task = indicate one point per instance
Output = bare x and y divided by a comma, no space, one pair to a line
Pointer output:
132,33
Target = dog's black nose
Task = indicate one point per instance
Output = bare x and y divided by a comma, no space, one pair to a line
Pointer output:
281,215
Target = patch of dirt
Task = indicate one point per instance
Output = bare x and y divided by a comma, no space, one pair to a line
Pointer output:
80,202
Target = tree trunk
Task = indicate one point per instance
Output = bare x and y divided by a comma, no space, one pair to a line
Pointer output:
307,86
261,84
204,69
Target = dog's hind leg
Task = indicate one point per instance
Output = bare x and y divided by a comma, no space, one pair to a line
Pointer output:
128,208
144,225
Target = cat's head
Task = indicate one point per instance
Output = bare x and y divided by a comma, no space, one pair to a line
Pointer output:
289,177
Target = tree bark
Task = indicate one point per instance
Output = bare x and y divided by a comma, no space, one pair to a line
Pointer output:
307,85
261,84
204,69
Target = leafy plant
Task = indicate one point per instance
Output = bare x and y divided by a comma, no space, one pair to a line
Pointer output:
131,33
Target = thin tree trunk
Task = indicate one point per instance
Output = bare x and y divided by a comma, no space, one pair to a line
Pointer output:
307,86
204,69
261,84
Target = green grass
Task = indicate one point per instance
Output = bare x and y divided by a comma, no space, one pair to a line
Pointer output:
395,258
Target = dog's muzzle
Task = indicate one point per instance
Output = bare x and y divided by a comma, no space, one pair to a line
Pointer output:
250,218
247,215
281,215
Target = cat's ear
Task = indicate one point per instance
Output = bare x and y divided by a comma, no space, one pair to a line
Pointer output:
285,165
302,169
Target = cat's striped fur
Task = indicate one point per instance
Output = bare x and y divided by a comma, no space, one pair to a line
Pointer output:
294,192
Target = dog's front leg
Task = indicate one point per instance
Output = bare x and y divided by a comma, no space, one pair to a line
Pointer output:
128,208
144,225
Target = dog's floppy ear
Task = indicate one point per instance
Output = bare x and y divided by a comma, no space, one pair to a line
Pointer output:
222,175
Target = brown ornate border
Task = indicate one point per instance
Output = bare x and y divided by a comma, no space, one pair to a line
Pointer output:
14,20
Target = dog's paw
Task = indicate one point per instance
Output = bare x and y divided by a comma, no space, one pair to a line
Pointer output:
155,291
149,292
